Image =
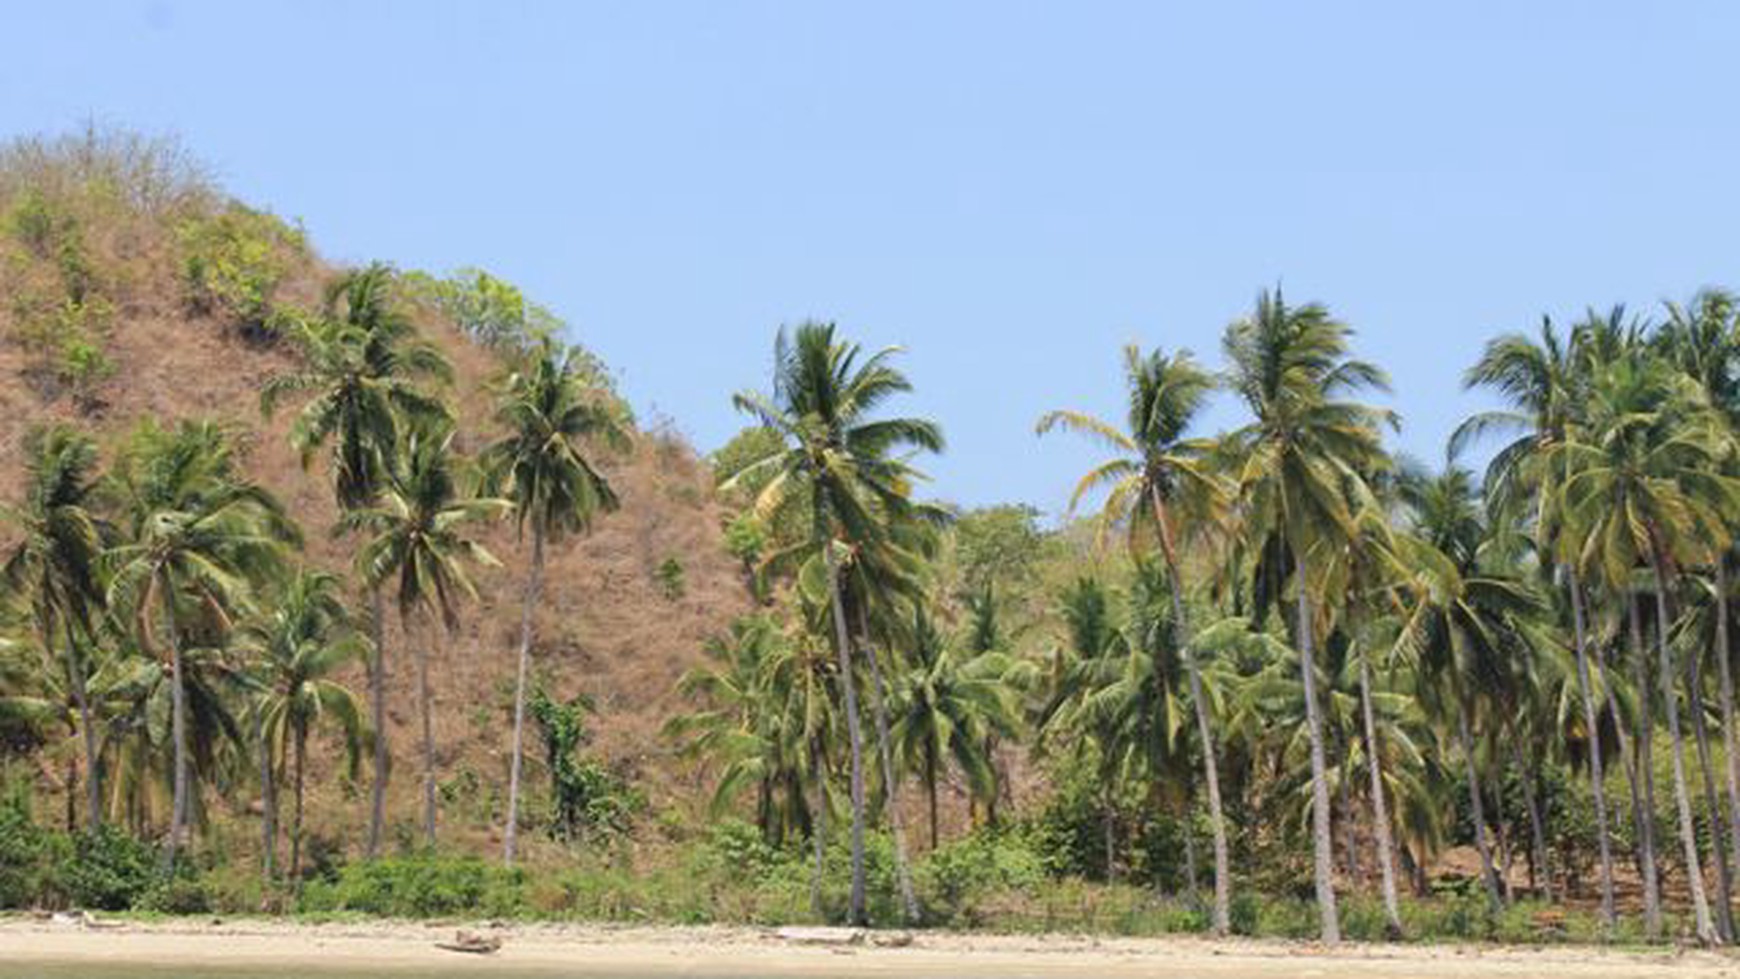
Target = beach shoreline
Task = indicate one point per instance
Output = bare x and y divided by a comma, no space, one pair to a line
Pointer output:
268,946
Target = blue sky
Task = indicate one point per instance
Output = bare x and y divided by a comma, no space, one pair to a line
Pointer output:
1011,190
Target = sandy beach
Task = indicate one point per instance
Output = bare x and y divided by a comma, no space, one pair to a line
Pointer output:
256,947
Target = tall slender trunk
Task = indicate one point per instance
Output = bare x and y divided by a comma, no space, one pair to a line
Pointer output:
819,825
930,776
1642,762
1323,848
1706,929
1712,799
1592,720
268,799
378,712
855,909
71,795
426,707
1379,805
301,765
534,584
1110,825
1192,879
1730,735
1349,834
1476,805
1204,727
178,726
890,777
75,671
1540,860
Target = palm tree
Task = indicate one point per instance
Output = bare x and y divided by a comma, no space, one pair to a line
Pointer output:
195,534
417,539
1539,380
541,466
363,363
55,564
1306,457
295,650
947,705
833,466
1163,488
1647,490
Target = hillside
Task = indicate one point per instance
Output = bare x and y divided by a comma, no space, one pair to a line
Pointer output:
104,326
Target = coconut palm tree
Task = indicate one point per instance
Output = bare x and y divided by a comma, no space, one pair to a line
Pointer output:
1647,491
1305,458
417,539
55,565
197,538
948,703
365,368
834,466
1539,379
293,653
550,415
1164,491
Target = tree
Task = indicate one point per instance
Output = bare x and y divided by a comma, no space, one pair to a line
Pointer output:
1305,459
364,365
1539,380
417,539
195,534
55,564
550,414
294,651
1646,490
947,705
1162,487
834,467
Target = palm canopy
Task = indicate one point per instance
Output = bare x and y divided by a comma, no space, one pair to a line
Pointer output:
550,414
363,362
418,528
61,538
1156,463
837,460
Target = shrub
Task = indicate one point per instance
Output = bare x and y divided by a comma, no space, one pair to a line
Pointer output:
957,876
420,887
232,263
183,894
671,579
108,870
27,853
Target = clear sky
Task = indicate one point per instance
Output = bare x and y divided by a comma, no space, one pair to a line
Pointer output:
1011,190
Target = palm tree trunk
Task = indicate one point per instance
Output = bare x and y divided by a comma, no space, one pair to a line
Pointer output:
178,728
1322,846
301,763
1349,838
1379,805
1476,805
75,670
855,908
1540,865
1191,878
1706,929
1642,762
890,777
819,826
1204,727
426,707
1592,720
930,783
534,584
1730,737
378,710
1712,800
268,799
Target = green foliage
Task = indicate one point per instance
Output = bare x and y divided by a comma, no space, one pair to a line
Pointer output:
28,853
959,876
670,577
588,800
420,887
998,543
232,263
751,444
109,870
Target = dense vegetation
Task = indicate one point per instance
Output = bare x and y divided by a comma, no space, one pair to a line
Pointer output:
1279,680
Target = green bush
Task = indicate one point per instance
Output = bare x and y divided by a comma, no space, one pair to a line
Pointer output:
28,854
671,579
420,887
108,870
232,263
956,877
184,894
